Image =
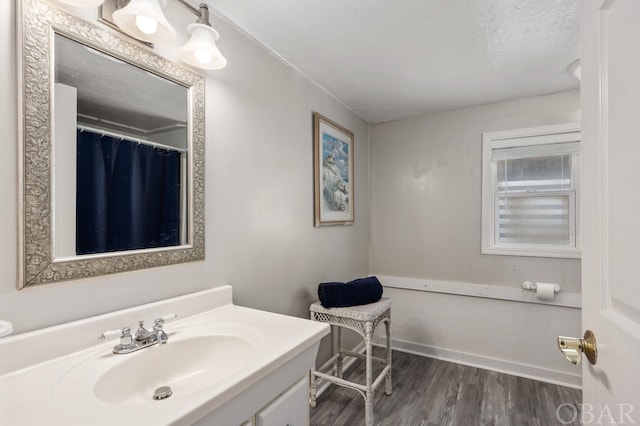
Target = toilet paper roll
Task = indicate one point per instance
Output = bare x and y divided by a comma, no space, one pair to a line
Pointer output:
545,291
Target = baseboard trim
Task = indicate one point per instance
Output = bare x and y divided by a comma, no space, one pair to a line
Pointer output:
512,294
499,365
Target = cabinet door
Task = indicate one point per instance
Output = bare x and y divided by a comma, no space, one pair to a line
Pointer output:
289,409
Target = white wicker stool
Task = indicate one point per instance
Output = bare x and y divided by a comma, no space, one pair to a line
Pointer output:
362,319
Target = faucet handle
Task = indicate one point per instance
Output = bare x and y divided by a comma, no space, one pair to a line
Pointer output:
125,339
169,318
159,322
112,334
124,334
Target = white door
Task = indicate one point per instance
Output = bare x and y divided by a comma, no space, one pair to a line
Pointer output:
611,208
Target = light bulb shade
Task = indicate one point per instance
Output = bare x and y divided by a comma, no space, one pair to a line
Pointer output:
83,3
148,10
201,50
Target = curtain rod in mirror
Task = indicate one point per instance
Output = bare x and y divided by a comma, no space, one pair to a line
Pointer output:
122,136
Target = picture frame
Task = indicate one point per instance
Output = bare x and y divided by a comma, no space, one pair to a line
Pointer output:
333,158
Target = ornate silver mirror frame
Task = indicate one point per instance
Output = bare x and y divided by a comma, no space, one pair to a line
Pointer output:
37,23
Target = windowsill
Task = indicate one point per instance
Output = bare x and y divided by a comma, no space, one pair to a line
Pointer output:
566,253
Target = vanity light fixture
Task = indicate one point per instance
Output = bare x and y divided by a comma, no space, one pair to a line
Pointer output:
201,50
145,21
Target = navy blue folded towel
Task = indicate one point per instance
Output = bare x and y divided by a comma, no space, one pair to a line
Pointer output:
356,292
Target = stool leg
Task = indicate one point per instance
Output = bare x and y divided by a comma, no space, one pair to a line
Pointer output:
368,400
339,358
387,381
368,409
313,385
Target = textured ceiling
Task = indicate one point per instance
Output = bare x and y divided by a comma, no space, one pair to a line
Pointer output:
389,60
115,92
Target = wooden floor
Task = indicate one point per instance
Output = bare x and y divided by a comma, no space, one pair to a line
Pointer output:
428,392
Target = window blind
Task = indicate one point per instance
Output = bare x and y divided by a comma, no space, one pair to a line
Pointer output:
535,193
534,219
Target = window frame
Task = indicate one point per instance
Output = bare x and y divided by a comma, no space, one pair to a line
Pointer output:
542,135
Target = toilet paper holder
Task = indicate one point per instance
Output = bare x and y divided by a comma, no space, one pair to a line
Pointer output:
528,285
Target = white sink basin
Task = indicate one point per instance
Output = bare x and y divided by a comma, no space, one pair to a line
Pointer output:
223,363
194,358
185,365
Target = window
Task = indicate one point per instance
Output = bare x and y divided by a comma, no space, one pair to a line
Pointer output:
531,192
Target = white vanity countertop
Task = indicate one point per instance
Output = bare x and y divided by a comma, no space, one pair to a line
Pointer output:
43,393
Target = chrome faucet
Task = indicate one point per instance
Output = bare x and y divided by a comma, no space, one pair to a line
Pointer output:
161,336
142,338
143,335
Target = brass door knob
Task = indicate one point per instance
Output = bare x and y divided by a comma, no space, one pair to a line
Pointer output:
571,347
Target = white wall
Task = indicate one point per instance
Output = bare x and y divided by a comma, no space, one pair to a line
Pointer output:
64,171
426,223
259,233
259,196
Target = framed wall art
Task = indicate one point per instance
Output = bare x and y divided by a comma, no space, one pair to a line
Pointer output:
333,172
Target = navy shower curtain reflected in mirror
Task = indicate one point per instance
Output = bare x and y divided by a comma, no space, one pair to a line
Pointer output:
128,195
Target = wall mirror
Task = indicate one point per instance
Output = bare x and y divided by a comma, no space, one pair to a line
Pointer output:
111,152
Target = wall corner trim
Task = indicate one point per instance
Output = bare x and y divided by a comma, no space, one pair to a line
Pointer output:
514,293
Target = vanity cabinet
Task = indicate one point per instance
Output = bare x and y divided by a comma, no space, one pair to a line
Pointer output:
290,409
